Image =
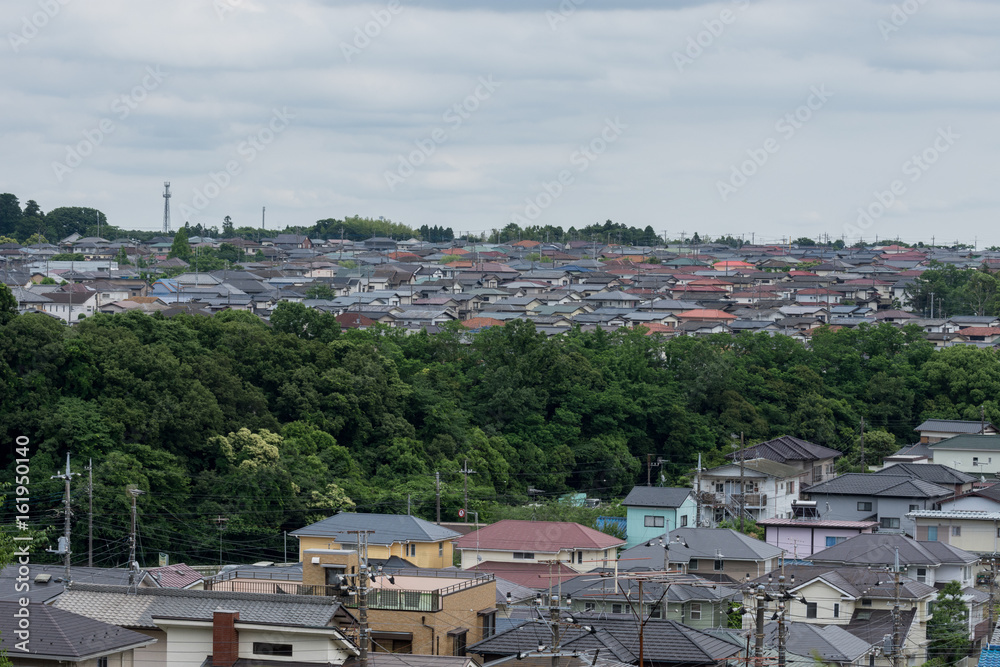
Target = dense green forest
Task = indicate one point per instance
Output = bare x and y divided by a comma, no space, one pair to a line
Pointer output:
273,426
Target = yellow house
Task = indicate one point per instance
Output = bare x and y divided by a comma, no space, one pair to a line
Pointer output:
419,542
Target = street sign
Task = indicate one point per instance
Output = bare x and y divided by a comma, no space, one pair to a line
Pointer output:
461,513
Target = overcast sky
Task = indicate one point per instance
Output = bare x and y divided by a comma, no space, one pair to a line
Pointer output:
768,117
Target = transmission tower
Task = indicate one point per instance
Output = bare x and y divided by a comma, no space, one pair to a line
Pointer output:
166,207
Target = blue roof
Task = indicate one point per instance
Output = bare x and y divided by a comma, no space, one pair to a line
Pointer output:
990,656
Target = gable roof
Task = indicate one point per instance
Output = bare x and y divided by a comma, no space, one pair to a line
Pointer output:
389,528
174,576
135,607
664,641
787,448
656,496
953,425
885,485
968,441
929,472
708,542
537,576
60,635
831,642
880,549
42,592
540,536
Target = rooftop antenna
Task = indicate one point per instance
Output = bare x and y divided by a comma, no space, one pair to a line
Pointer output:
166,207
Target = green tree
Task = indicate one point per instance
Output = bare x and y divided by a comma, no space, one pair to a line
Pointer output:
10,214
948,627
68,257
448,259
321,291
35,238
180,247
227,227
8,305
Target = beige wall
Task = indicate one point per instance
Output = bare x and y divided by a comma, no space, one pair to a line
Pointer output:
188,646
977,536
566,556
737,569
429,554
154,655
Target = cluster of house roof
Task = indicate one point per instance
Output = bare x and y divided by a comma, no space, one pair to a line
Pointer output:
690,290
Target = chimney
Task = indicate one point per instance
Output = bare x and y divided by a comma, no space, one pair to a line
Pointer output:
225,639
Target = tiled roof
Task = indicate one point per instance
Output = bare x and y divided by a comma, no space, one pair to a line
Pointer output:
175,576
59,635
832,642
967,441
536,576
880,549
951,426
388,528
787,448
885,485
871,625
817,523
929,472
540,536
664,642
135,608
656,496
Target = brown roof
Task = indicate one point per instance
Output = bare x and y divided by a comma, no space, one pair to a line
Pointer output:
480,322
529,575
706,314
541,536
354,320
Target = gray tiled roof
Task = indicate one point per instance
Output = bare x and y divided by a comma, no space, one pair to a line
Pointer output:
969,442
787,448
951,426
831,642
880,549
656,496
43,592
389,528
136,609
884,485
929,472
61,635
664,641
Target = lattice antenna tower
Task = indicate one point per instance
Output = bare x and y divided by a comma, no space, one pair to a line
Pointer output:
166,207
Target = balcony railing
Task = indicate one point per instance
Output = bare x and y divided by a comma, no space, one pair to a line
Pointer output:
752,500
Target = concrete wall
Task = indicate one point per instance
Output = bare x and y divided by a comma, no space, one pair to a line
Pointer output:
803,541
737,569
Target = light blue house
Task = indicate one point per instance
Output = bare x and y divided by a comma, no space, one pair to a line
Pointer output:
655,510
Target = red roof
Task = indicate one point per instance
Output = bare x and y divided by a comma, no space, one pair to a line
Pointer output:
529,575
979,331
653,328
481,322
175,576
354,320
542,536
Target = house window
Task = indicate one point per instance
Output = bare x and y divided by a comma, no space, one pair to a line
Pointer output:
589,606
836,610
833,540
653,521
932,533
656,611
684,520
693,564
922,575
579,557
617,608
718,565
524,555
267,648
458,642
956,531
695,611
811,610
440,549
720,487
914,508
930,608
489,623
864,507
102,662
889,522
791,487
412,549
975,460
866,602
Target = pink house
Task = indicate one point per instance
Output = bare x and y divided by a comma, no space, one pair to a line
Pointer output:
801,538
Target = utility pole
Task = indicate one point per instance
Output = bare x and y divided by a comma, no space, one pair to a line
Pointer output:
743,488
864,468
697,497
781,621
220,521
759,643
982,419
437,484
649,468
133,566
363,639
90,520
993,576
897,646
465,471
64,548
554,619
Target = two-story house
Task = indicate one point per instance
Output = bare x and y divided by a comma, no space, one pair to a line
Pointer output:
761,488
801,538
719,554
419,542
936,430
885,498
815,461
935,473
975,454
974,531
655,510
513,541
